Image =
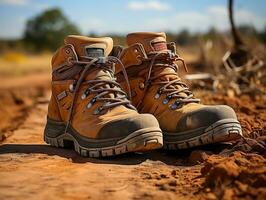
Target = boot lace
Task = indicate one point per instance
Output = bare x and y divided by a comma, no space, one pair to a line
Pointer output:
163,60
98,86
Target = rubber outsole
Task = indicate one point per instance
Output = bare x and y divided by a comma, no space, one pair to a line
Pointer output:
138,141
221,131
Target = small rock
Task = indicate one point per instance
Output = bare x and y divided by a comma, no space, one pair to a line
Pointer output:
198,156
172,183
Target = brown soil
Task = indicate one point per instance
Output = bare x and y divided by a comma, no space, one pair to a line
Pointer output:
30,169
17,96
238,176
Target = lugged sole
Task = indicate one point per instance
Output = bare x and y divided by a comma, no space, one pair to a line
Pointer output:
139,141
221,131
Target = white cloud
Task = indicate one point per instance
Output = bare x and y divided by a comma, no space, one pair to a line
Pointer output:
14,2
245,17
148,5
213,16
91,25
27,3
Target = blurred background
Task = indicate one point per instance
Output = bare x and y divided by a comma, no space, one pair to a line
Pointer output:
32,29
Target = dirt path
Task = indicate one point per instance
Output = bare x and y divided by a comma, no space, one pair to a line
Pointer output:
17,96
29,169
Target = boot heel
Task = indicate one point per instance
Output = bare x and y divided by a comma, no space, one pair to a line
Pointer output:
52,132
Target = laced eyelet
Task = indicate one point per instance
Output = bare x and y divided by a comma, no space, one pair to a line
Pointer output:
175,105
97,110
72,86
158,94
91,103
85,94
169,97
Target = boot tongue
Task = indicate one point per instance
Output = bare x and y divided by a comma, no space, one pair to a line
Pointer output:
93,47
90,47
152,42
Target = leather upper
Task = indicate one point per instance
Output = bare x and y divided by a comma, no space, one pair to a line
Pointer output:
186,116
84,120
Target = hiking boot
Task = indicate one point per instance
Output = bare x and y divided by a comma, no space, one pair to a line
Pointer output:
88,108
157,89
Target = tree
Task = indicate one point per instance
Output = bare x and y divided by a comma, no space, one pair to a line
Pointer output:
183,38
47,30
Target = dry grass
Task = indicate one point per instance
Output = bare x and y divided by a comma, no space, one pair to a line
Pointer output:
19,64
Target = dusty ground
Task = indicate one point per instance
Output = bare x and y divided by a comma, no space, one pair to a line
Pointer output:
30,169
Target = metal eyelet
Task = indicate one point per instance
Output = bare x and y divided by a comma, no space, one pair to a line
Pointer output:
169,97
175,105
165,101
70,60
91,103
157,95
97,110
141,85
71,88
83,96
67,51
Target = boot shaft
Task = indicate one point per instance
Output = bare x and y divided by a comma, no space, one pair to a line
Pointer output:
151,63
89,104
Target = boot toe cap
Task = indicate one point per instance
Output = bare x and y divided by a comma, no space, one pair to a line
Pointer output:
205,117
124,127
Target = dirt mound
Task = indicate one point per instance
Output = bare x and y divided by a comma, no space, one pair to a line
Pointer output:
237,176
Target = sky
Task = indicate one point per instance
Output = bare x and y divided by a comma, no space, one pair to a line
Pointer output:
123,16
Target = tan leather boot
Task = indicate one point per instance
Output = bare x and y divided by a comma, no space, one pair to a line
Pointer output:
157,89
89,109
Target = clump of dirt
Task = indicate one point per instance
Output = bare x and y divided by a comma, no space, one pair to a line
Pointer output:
238,176
198,156
251,111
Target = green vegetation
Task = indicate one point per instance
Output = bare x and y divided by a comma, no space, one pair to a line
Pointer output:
45,31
